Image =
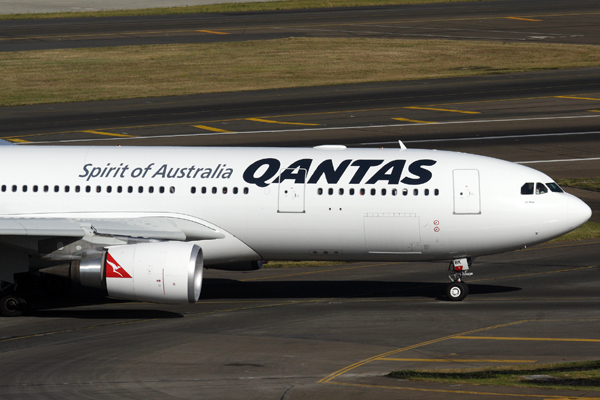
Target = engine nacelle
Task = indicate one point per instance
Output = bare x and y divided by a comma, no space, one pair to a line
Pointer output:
165,272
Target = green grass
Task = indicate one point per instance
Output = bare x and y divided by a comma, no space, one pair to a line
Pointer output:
302,264
225,8
569,376
586,183
88,74
589,230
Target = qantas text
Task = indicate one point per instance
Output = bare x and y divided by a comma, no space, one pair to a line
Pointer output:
262,172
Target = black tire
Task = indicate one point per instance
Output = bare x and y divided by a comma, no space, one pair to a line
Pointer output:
457,291
12,305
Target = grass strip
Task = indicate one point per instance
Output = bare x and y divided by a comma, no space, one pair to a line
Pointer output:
227,8
585,183
589,230
583,375
302,264
66,75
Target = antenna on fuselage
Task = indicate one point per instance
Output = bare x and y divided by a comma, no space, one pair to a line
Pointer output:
402,146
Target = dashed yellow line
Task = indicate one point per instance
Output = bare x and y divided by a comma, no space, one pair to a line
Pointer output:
577,98
528,339
16,140
108,133
449,360
414,120
268,121
443,109
215,32
524,19
210,128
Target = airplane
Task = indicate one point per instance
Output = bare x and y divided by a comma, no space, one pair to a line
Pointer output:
141,223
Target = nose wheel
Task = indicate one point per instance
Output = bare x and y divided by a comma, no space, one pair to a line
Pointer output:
458,269
457,291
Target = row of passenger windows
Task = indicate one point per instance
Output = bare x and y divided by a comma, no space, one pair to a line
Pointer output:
540,188
118,189
383,192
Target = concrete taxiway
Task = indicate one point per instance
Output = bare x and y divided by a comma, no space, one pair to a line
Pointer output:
301,333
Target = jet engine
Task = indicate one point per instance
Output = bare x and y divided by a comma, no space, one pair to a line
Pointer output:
165,272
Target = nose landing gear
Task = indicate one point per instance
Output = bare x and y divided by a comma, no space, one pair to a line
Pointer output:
458,269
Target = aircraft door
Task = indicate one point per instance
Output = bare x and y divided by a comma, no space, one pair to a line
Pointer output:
466,191
291,194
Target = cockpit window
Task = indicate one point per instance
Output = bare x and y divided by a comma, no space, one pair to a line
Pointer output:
540,188
554,187
527,188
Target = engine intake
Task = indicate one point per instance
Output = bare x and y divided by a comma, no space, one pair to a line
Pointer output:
166,272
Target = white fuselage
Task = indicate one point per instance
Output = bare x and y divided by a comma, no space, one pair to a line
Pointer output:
326,203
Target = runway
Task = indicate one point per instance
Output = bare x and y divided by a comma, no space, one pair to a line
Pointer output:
554,21
333,332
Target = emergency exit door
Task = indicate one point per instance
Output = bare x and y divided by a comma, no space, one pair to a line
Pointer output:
466,191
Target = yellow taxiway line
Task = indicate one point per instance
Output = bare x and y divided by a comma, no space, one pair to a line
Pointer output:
268,121
524,19
210,128
443,109
107,133
414,120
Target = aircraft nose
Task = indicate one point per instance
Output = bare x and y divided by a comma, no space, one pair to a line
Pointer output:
577,212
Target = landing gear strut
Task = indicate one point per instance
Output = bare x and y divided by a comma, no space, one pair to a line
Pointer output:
458,269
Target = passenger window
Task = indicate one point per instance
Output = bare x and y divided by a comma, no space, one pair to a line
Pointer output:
77,189
426,192
161,189
394,192
540,188
67,189
330,191
404,192
246,190
151,189
119,189
373,192
527,188
108,189
554,187
320,191
56,188
87,189
235,190
140,189
383,192
129,189
436,192
4,188
416,192
341,192
224,190
14,188
172,189
214,190
362,192
193,189
24,188
35,188
203,190
351,191
98,189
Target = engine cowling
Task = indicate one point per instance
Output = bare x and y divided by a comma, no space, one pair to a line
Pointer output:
165,272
